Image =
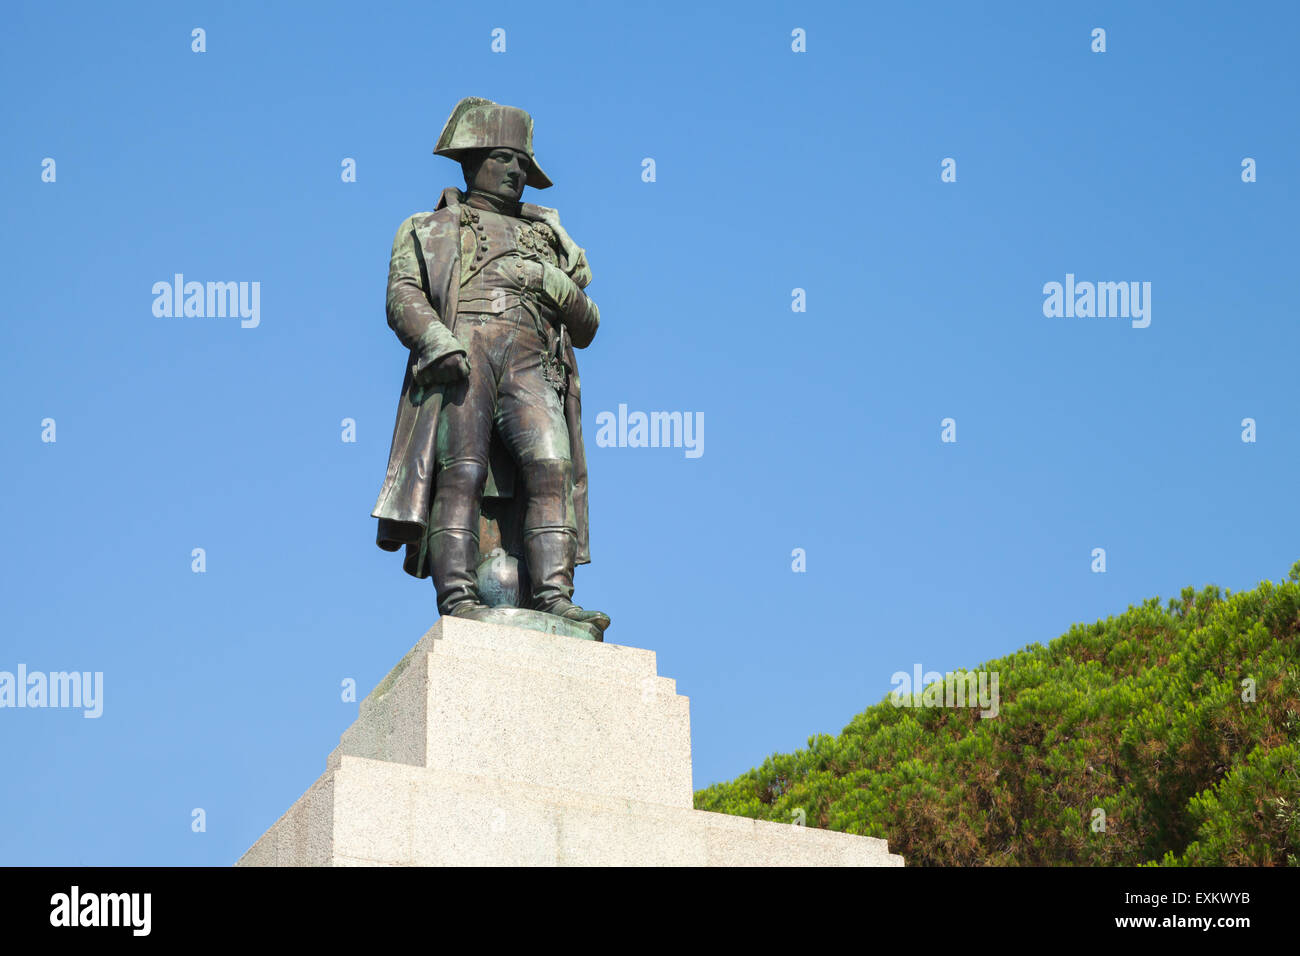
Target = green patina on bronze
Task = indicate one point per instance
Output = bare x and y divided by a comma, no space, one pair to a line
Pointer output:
486,488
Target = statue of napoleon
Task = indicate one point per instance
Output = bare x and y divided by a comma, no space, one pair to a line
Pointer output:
487,478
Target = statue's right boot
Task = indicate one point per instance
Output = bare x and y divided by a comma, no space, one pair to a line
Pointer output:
454,565
453,547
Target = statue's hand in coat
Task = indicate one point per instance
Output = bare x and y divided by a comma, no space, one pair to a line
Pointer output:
578,312
558,287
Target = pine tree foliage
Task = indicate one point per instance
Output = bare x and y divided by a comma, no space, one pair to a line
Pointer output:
1147,718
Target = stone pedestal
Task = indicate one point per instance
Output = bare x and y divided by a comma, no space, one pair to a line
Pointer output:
491,745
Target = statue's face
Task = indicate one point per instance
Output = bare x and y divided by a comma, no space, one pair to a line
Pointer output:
501,173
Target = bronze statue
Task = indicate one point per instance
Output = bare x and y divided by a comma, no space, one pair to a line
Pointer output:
487,476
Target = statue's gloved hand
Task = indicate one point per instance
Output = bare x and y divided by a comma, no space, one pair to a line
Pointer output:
452,367
577,311
558,287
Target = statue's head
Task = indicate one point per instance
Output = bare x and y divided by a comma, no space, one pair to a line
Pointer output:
499,171
493,143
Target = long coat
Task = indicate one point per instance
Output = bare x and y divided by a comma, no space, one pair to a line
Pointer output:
424,279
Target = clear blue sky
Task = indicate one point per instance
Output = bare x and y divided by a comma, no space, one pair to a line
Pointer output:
775,170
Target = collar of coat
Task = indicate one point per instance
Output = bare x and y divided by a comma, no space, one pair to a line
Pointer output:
574,258
482,200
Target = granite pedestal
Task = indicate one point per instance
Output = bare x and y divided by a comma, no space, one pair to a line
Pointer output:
493,745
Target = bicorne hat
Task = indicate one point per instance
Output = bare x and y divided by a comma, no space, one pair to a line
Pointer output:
477,123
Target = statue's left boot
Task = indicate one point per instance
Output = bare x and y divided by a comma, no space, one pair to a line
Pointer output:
551,554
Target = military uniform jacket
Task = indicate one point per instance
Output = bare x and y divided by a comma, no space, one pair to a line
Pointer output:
424,281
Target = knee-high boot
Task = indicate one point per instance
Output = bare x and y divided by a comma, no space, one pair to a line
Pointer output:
453,538
454,562
551,541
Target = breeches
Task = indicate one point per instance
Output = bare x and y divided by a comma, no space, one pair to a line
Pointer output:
507,390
